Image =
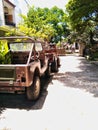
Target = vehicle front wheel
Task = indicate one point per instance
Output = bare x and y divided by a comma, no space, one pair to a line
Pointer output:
58,62
48,71
54,66
33,91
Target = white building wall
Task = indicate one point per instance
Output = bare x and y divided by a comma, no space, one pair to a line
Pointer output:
2,21
21,8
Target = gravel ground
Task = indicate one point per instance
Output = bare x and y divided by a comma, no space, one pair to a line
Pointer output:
69,101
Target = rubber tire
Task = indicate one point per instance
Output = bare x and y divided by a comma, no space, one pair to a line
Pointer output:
54,66
48,71
33,91
58,62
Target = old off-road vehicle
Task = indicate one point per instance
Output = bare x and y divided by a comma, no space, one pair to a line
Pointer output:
54,60
25,62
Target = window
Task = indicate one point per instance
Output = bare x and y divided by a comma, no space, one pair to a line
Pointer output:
20,46
38,46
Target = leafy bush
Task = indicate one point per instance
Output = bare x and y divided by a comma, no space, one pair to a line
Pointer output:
3,52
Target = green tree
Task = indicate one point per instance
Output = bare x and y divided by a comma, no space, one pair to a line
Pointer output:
83,16
48,23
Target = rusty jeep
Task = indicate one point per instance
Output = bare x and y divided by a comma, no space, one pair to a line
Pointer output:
54,59
25,62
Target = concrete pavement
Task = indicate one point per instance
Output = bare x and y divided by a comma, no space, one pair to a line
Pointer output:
70,101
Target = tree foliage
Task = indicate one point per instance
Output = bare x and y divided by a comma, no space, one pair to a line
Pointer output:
3,51
48,23
83,16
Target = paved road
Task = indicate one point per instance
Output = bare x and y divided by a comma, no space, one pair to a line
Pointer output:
69,101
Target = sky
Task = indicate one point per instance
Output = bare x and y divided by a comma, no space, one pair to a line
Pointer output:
48,3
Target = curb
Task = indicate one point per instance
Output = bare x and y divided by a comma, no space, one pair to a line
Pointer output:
94,62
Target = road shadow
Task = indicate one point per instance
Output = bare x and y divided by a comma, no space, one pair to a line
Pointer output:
19,101
86,78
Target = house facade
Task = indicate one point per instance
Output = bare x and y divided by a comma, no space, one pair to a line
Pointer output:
10,11
7,13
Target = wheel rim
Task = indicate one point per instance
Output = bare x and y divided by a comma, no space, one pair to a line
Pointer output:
34,90
37,87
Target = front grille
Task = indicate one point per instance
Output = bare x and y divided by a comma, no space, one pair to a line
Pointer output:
7,73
